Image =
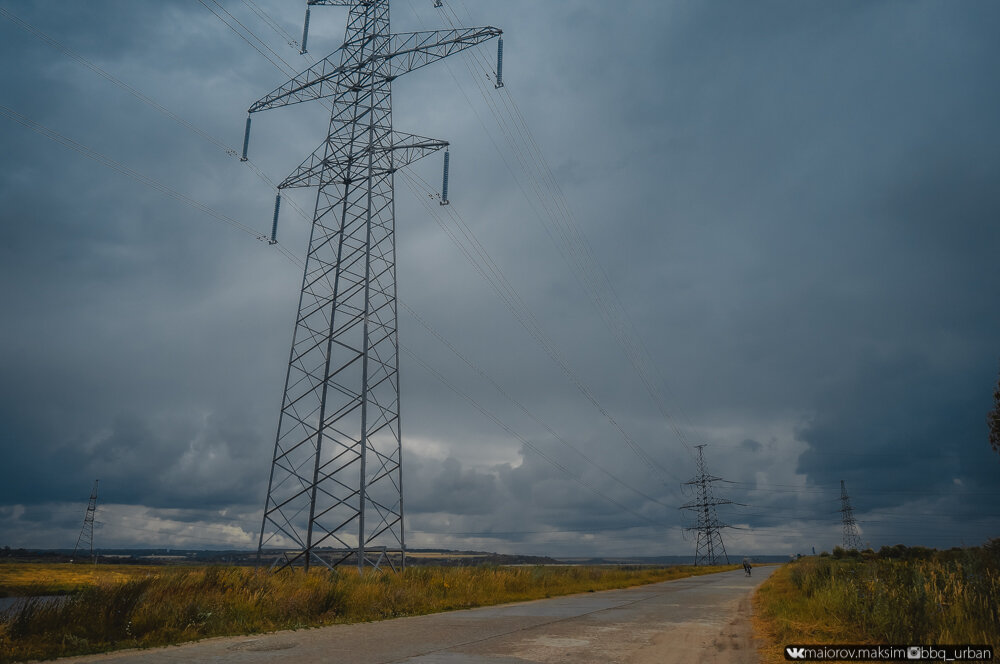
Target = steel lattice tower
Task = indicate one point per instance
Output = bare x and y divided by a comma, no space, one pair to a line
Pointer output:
86,538
852,539
708,547
336,483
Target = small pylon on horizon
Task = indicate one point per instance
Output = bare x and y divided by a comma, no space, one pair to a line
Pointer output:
709,546
86,538
852,538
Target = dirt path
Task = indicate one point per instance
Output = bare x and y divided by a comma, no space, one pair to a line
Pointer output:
698,619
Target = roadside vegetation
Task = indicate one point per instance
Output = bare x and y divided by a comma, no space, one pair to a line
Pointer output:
162,606
30,579
897,595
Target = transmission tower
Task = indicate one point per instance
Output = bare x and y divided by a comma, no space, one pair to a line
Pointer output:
335,489
86,539
708,547
852,539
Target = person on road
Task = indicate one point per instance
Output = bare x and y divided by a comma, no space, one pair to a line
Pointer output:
746,566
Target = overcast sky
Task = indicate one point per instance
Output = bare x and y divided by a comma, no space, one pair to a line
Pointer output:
794,205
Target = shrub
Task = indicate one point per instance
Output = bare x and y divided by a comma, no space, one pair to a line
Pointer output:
900,595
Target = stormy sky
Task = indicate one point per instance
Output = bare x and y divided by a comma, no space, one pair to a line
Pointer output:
767,227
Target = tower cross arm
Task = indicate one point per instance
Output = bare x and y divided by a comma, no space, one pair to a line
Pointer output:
412,50
317,82
707,503
408,148
405,52
704,478
331,163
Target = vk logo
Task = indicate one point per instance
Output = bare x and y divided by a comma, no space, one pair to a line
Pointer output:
795,653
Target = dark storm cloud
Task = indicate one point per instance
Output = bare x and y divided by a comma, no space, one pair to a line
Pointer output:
795,202
919,425
529,507
444,486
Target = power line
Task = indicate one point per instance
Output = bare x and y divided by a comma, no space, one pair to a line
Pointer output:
115,80
271,23
146,99
126,171
284,67
483,374
527,443
573,244
149,181
852,539
506,395
709,546
336,472
495,534
494,277
85,541
498,281
826,488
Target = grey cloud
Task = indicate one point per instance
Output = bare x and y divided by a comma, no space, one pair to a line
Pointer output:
444,486
794,202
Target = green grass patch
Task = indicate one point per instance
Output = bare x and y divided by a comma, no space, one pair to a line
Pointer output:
173,605
897,595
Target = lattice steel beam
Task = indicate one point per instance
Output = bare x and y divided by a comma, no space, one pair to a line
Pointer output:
335,490
852,538
708,546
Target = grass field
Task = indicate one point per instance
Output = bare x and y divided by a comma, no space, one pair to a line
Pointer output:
127,607
30,579
895,596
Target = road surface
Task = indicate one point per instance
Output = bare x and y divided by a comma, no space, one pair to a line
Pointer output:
698,619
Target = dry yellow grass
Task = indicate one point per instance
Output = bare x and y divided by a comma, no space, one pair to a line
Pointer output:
895,596
28,579
171,605
782,616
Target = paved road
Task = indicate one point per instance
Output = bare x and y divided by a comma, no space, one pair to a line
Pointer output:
698,619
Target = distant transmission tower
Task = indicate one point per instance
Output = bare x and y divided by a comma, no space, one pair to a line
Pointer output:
852,539
708,547
85,541
336,477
